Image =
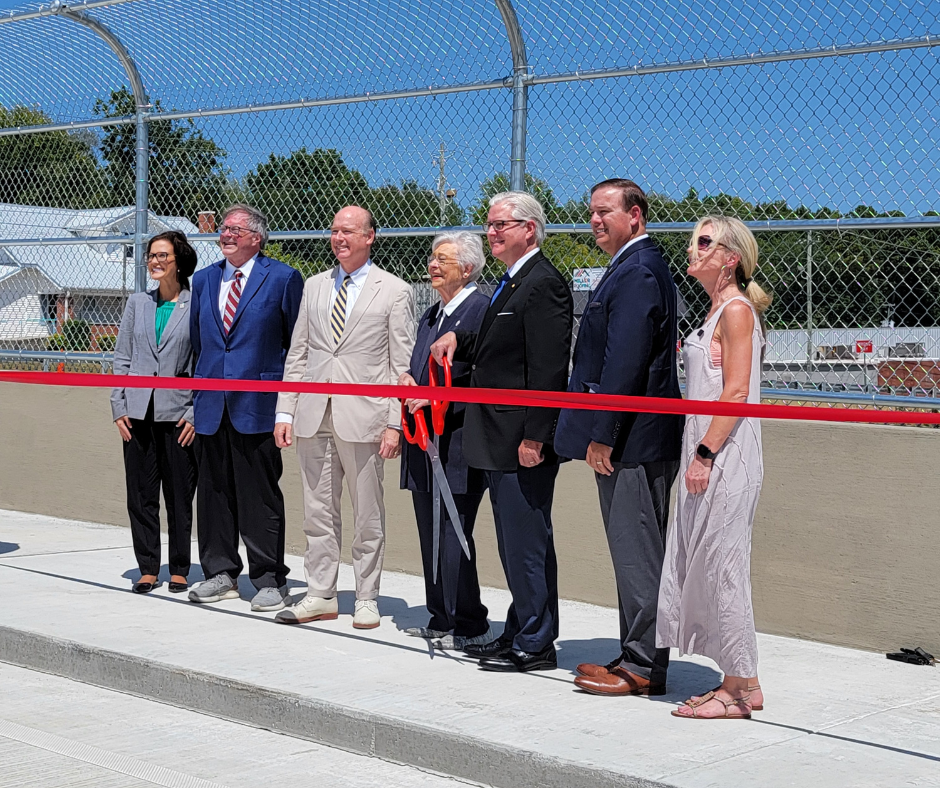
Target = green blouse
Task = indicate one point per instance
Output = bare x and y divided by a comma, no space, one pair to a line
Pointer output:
164,311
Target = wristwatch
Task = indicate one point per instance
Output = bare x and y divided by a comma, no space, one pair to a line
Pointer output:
705,453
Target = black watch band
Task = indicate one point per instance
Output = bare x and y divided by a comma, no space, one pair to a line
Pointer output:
705,453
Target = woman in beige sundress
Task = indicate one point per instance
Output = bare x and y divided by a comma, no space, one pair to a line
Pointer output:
705,593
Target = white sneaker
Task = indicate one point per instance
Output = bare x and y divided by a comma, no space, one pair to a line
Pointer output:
367,614
310,608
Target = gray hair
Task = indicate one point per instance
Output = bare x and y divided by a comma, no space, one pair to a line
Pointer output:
525,207
257,221
469,250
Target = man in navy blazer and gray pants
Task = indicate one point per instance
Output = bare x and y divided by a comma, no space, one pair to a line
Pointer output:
627,345
242,316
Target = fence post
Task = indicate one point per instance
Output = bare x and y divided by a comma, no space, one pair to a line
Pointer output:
809,304
141,172
141,197
520,94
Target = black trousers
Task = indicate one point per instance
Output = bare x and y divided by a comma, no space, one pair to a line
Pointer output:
239,495
454,600
635,507
153,459
522,509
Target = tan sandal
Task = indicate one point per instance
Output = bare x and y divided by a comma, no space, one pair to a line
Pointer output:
710,696
691,702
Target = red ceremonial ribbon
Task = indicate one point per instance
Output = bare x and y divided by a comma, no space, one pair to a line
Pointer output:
520,397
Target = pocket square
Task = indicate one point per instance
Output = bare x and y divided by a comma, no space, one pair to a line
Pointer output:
500,314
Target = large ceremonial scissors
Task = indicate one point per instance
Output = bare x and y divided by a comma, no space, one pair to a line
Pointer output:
439,485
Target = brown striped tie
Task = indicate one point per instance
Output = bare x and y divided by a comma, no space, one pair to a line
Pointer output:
231,303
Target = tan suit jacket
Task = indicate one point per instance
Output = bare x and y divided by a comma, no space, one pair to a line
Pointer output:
375,348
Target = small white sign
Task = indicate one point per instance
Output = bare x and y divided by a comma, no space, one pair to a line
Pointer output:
586,278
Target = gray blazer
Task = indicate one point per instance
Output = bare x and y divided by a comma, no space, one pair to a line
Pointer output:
136,353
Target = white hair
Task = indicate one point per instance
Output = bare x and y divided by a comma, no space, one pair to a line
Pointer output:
469,250
525,207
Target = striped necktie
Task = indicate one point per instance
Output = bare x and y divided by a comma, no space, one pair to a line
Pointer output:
231,303
338,316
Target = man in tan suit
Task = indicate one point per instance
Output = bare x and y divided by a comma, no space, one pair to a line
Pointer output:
356,325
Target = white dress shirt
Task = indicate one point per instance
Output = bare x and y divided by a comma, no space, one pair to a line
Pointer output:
356,282
517,266
451,306
228,280
627,245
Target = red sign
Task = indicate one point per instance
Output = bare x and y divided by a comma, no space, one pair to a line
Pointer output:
863,346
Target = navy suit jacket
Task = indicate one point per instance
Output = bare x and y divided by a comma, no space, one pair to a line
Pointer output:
415,465
627,345
254,348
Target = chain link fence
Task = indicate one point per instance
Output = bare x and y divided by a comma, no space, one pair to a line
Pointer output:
813,121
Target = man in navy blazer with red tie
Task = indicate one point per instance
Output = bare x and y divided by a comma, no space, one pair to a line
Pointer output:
243,313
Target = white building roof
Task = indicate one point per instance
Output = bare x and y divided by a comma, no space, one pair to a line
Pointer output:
84,266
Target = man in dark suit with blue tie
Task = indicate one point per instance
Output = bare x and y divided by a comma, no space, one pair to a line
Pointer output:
243,312
627,345
524,342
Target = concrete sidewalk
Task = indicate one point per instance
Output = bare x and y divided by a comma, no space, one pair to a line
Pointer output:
834,716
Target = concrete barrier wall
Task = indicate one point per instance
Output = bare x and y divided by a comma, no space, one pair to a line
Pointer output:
846,543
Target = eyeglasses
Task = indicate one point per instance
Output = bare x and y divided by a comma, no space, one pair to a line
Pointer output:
501,225
441,260
160,257
705,242
336,231
238,232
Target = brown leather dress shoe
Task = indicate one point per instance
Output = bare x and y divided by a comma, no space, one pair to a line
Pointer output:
592,670
619,682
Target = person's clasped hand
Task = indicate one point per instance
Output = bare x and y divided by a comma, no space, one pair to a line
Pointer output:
413,405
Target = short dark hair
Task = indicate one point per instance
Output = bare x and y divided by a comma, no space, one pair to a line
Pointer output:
630,192
183,252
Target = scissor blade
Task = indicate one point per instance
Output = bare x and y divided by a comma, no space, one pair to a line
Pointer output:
436,526
441,478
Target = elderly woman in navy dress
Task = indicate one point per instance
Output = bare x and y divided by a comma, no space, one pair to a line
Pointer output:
705,593
458,617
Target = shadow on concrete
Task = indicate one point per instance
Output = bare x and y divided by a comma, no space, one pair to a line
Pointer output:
8,547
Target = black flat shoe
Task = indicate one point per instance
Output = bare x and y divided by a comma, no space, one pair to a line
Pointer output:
515,661
144,588
494,648
178,588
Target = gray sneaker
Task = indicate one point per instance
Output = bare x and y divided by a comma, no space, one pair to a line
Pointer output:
215,589
269,599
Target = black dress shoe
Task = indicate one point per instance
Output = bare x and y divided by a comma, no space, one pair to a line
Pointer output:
178,588
144,588
494,648
515,661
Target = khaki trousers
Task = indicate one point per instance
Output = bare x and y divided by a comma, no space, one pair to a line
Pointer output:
325,460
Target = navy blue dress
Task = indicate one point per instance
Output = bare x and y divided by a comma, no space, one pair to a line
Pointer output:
454,601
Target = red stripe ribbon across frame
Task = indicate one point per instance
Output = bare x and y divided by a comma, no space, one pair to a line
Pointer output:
525,398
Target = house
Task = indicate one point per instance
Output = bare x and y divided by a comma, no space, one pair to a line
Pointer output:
42,286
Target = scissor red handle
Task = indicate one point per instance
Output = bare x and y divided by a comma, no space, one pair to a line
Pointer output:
439,407
420,435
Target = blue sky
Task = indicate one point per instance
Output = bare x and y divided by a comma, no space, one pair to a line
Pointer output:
833,132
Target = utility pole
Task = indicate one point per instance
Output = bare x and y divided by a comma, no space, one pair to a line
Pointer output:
442,188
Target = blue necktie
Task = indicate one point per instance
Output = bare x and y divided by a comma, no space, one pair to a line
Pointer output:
502,283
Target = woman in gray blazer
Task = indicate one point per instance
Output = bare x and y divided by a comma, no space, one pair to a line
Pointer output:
157,425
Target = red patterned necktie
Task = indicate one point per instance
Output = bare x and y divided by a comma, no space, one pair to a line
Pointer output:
231,303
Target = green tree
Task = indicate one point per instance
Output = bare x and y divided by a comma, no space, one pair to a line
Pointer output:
57,169
187,169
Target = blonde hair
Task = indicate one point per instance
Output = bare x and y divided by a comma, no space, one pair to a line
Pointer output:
735,236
